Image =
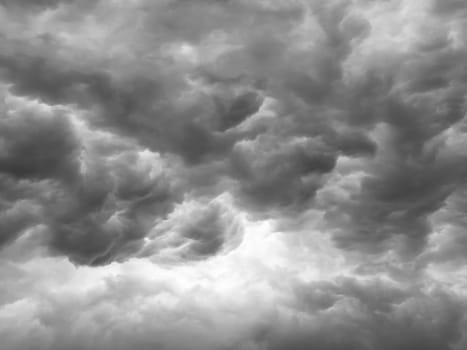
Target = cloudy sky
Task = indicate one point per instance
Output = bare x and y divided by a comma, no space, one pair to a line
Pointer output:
233,174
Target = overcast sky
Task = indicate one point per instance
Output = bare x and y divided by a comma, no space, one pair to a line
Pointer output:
233,174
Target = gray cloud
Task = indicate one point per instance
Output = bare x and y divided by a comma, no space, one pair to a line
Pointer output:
247,175
36,4
37,147
194,231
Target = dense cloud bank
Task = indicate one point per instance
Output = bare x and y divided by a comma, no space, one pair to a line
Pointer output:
238,175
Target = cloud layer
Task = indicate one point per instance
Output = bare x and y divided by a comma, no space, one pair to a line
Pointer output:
238,175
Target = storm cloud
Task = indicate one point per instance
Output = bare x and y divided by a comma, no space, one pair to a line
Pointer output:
237,175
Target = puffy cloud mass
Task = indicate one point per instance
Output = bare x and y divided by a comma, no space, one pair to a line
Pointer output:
233,175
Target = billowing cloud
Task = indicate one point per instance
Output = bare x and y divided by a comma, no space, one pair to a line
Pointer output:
242,175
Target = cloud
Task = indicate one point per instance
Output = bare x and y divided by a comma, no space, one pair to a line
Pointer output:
248,175
95,196
194,231
273,171
41,4
37,143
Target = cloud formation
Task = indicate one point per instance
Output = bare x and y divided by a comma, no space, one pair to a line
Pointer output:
238,175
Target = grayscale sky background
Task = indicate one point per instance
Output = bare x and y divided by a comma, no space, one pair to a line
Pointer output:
233,175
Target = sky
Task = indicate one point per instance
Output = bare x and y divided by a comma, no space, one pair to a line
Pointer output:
233,174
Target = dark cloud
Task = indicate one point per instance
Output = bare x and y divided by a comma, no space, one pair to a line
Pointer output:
194,231
96,207
15,218
448,7
37,4
238,110
105,215
281,172
54,81
233,175
36,146
409,179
